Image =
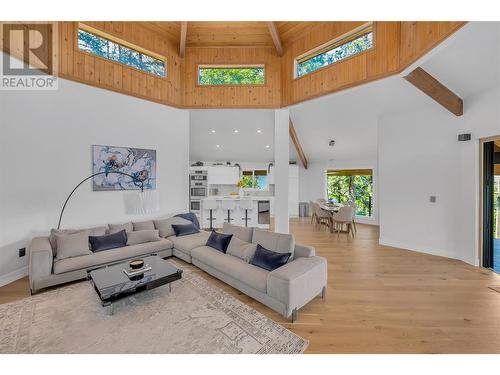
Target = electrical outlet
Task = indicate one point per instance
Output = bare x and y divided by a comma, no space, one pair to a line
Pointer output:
22,252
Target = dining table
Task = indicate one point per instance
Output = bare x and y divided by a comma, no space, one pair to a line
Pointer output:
331,207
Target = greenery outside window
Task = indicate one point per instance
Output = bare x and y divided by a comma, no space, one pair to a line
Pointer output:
95,42
356,41
352,184
231,75
255,179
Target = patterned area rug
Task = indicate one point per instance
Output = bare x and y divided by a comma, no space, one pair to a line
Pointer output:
195,317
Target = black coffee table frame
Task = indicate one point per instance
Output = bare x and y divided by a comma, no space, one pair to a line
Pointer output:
159,275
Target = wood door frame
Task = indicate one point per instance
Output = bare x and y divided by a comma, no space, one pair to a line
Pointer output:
482,141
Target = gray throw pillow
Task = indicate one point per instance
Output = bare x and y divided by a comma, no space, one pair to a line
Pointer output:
115,228
95,231
165,225
142,236
241,249
73,245
243,233
143,225
277,242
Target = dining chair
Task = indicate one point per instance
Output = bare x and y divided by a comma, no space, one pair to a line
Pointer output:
323,216
312,210
344,216
355,208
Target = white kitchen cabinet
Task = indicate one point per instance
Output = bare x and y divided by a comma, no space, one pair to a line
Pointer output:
222,175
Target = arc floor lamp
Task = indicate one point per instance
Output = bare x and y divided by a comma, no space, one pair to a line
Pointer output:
142,204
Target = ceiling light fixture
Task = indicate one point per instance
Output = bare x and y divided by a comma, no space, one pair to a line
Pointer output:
212,131
236,131
267,146
218,146
259,131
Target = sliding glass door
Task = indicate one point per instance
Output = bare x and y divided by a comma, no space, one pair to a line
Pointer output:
491,205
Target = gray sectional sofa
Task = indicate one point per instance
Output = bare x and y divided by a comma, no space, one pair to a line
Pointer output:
284,290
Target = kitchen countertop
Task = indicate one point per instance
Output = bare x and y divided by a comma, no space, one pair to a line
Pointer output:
237,198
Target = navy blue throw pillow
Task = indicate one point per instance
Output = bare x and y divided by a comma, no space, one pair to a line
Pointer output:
219,241
269,260
191,217
108,241
184,229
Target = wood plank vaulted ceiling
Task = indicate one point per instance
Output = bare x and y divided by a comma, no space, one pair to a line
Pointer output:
187,45
231,34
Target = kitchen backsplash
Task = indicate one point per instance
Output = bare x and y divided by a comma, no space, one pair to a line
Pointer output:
226,189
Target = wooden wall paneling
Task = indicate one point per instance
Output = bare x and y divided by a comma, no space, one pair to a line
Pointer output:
384,58
396,45
378,62
418,38
258,96
96,71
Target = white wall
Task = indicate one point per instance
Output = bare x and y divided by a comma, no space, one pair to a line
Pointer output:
312,181
419,156
45,148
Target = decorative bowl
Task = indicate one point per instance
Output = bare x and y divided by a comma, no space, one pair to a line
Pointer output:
136,264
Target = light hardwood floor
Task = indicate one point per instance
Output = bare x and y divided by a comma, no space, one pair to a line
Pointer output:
382,299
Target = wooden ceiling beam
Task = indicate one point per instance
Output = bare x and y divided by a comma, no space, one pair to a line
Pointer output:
436,90
275,36
183,38
296,142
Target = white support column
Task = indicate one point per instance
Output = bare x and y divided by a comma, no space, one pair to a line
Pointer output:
281,161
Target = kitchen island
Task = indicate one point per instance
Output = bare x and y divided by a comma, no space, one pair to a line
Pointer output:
258,215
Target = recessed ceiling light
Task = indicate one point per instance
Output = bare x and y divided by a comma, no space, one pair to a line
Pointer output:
236,131
259,131
212,131
218,146
267,146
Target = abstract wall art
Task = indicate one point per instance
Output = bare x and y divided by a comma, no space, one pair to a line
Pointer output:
137,162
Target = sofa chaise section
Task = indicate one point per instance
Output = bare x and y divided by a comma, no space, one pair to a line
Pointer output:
285,289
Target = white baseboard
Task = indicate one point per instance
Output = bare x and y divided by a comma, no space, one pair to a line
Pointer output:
365,220
421,249
13,276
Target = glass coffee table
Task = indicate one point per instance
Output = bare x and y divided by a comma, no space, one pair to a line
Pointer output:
112,283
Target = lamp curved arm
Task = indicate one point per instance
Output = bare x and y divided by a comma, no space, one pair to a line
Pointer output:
88,178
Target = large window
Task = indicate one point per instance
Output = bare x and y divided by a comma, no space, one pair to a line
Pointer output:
90,41
346,46
352,184
231,75
255,179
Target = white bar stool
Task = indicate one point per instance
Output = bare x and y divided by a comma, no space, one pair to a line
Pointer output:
229,205
210,205
246,205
